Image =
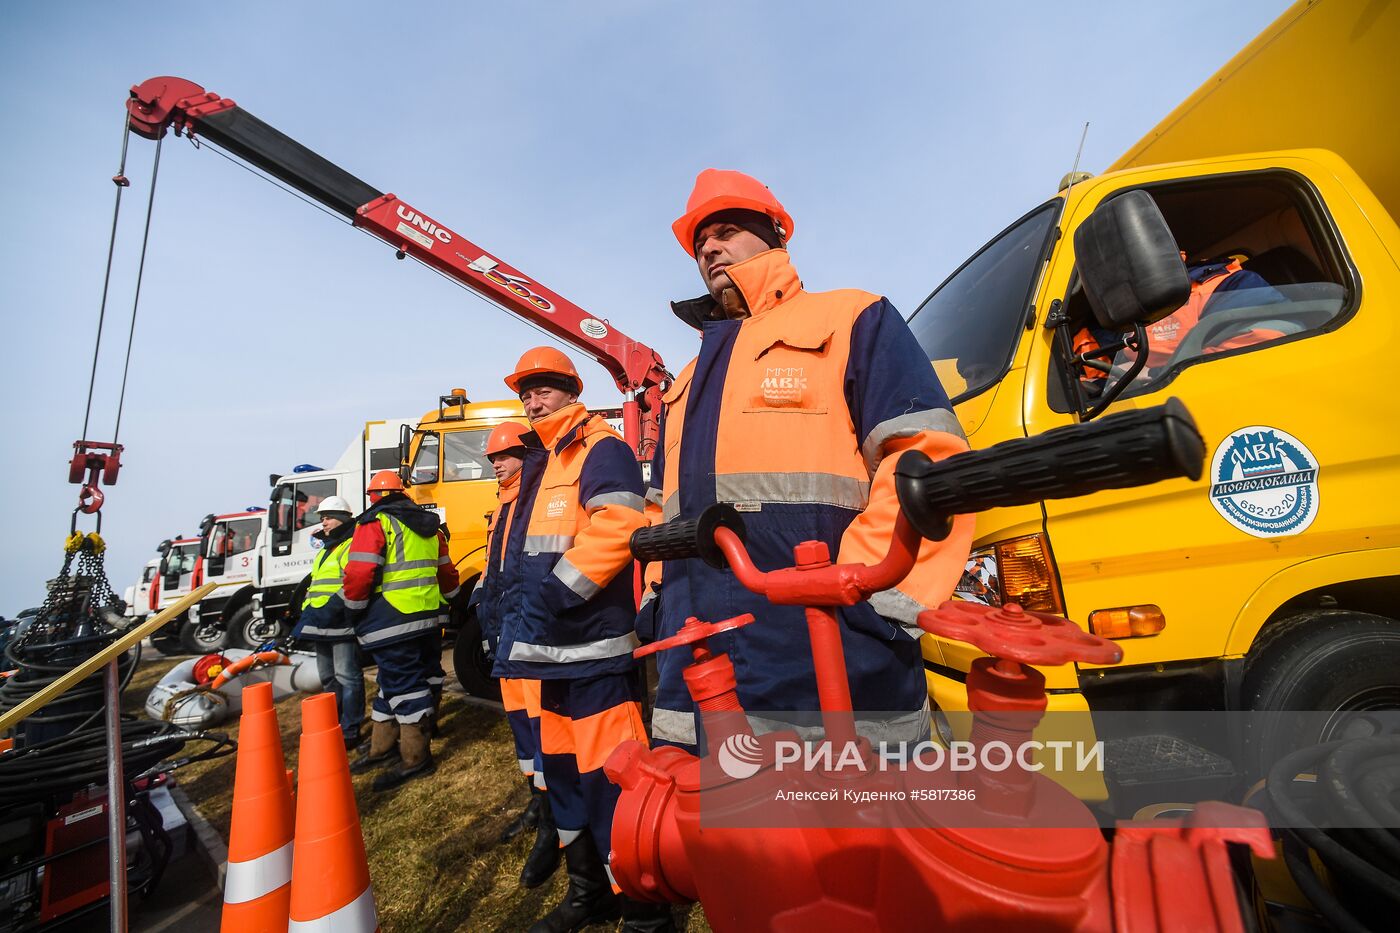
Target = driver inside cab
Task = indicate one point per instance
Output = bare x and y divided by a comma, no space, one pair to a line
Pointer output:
1216,285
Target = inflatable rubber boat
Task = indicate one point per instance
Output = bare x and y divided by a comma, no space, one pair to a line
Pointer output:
203,692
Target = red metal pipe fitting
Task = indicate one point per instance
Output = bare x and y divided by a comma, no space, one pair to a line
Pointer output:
1001,870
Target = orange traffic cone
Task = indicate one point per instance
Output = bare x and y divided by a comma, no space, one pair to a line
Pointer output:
257,885
330,876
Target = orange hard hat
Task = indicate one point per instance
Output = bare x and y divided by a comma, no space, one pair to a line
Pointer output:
384,481
539,361
720,190
506,436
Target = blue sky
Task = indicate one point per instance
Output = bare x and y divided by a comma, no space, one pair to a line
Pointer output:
562,137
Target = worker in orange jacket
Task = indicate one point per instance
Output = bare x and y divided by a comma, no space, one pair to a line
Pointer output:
1217,286
574,628
497,595
795,412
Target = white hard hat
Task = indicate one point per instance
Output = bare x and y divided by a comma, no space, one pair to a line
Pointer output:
334,504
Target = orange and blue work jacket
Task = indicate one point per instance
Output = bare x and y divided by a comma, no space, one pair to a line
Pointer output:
577,611
796,415
1211,288
497,592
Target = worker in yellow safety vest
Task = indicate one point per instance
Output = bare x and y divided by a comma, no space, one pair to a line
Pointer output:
398,579
325,623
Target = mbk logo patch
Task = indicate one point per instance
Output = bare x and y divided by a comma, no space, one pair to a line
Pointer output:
783,385
556,506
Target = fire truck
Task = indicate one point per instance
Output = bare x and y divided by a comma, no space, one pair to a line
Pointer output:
228,558
286,547
174,578
138,596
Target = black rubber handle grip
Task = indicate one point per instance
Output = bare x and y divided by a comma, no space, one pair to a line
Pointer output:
1132,448
682,540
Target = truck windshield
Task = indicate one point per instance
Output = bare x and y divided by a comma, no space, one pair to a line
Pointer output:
970,325
230,538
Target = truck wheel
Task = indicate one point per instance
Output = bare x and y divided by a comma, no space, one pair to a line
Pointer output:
469,661
203,637
1338,666
246,631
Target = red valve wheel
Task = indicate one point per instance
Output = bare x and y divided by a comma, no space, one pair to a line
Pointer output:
694,630
1017,634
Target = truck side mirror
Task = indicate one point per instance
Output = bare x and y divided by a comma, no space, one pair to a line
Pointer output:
405,439
1129,262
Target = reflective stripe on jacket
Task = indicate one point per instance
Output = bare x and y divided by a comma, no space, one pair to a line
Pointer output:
398,574
796,415
577,611
323,616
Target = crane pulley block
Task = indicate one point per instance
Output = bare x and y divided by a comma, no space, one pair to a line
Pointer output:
93,464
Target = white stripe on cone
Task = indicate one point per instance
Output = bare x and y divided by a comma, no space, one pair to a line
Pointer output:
358,916
250,880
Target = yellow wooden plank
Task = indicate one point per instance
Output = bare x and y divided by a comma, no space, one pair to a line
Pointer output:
84,670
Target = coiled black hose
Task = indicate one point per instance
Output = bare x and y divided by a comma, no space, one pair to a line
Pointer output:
61,766
1347,816
37,666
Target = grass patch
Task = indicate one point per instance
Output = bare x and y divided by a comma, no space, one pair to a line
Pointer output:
432,844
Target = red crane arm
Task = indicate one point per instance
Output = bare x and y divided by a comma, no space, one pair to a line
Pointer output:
161,103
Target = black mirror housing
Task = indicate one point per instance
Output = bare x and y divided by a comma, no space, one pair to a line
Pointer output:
1129,262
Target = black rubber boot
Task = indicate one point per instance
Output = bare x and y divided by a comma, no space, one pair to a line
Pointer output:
528,818
417,758
590,898
383,749
646,917
545,853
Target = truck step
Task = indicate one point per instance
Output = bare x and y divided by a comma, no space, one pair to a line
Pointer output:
1151,769
1155,759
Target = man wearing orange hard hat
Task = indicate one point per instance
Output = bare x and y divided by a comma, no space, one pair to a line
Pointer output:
573,628
497,595
795,412
398,579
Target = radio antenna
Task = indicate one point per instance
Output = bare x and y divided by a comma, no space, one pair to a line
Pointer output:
1072,177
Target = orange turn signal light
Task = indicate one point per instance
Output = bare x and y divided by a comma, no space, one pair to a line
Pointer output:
1127,622
1027,576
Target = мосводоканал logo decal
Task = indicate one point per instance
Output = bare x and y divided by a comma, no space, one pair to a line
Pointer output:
1264,482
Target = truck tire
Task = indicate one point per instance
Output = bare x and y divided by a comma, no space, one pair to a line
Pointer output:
469,662
204,638
245,631
1337,664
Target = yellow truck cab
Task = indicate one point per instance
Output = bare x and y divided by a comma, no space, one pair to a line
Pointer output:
1273,582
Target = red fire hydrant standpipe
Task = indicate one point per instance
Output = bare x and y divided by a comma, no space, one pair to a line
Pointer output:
1000,872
